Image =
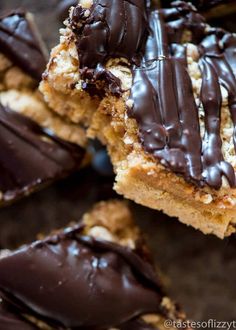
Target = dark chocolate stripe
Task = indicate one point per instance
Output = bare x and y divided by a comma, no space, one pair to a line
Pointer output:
113,29
19,41
164,118
213,160
221,73
190,142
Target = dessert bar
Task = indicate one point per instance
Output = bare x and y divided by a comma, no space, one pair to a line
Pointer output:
96,274
161,96
37,147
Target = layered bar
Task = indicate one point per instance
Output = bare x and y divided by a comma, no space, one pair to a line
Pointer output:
37,146
158,87
96,274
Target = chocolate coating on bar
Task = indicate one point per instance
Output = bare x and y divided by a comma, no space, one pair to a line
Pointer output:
11,320
20,43
80,282
164,105
113,29
31,156
162,94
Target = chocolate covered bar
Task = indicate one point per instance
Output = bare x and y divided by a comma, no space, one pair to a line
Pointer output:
31,156
22,61
161,96
37,147
93,275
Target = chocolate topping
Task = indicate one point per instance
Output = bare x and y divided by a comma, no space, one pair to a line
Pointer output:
31,155
11,320
19,40
166,111
159,108
80,282
163,100
113,29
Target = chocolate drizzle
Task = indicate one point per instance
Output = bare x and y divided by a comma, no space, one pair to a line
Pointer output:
77,281
31,156
212,102
165,127
20,42
163,101
113,29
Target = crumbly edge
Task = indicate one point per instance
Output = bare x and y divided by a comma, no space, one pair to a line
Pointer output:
62,87
112,221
